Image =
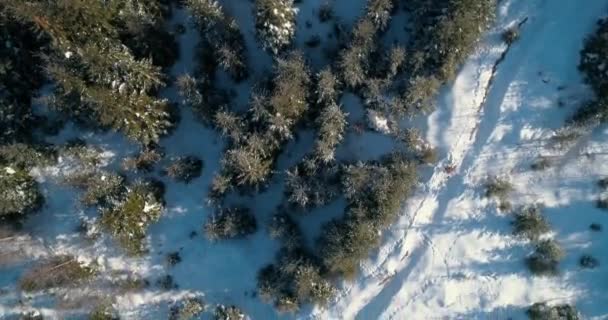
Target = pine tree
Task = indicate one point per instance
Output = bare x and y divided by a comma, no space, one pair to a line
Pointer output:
95,73
223,34
332,125
275,22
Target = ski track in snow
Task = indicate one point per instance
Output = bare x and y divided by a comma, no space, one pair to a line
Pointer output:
410,264
451,255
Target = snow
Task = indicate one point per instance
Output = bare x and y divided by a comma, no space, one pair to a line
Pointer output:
450,256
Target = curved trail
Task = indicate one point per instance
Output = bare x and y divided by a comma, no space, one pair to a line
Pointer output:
468,117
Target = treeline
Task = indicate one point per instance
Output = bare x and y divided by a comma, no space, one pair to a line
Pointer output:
593,62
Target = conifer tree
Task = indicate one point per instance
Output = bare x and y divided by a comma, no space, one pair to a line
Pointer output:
99,81
275,22
223,34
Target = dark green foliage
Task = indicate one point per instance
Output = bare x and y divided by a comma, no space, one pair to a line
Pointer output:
510,35
128,217
99,187
283,227
185,169
326,12
190,308
603,183
327,87
230,223
420,93
542,163
99,81
173,258
592,64
143,161
594,57
20,75
312,184
595,227
103,312
228,313
275,22
444,34
375,192
27,156
542,311
498,187
294,280
230,125
332,126
271,119
546,258
59,271
166,282
19,194
222,33
345,243
589,262
530,223
379,12
354,60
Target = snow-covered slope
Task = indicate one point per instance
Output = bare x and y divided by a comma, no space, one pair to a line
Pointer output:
450,256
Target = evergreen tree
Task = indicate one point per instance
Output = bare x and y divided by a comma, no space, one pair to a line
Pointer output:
332,125
275,22
223,34
97,76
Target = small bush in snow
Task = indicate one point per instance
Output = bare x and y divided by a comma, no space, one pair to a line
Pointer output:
546,258
603,183
530,223
589,262
510,35
166,282
542,163
190,308
19,193
326,12
595,227
103,312
229,223
602,203
173,258
59,271
542,311
143,161
275,22
128,217
228,313
294,280
498,187
185,169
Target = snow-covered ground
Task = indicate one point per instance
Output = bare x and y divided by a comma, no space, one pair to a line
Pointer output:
452,254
